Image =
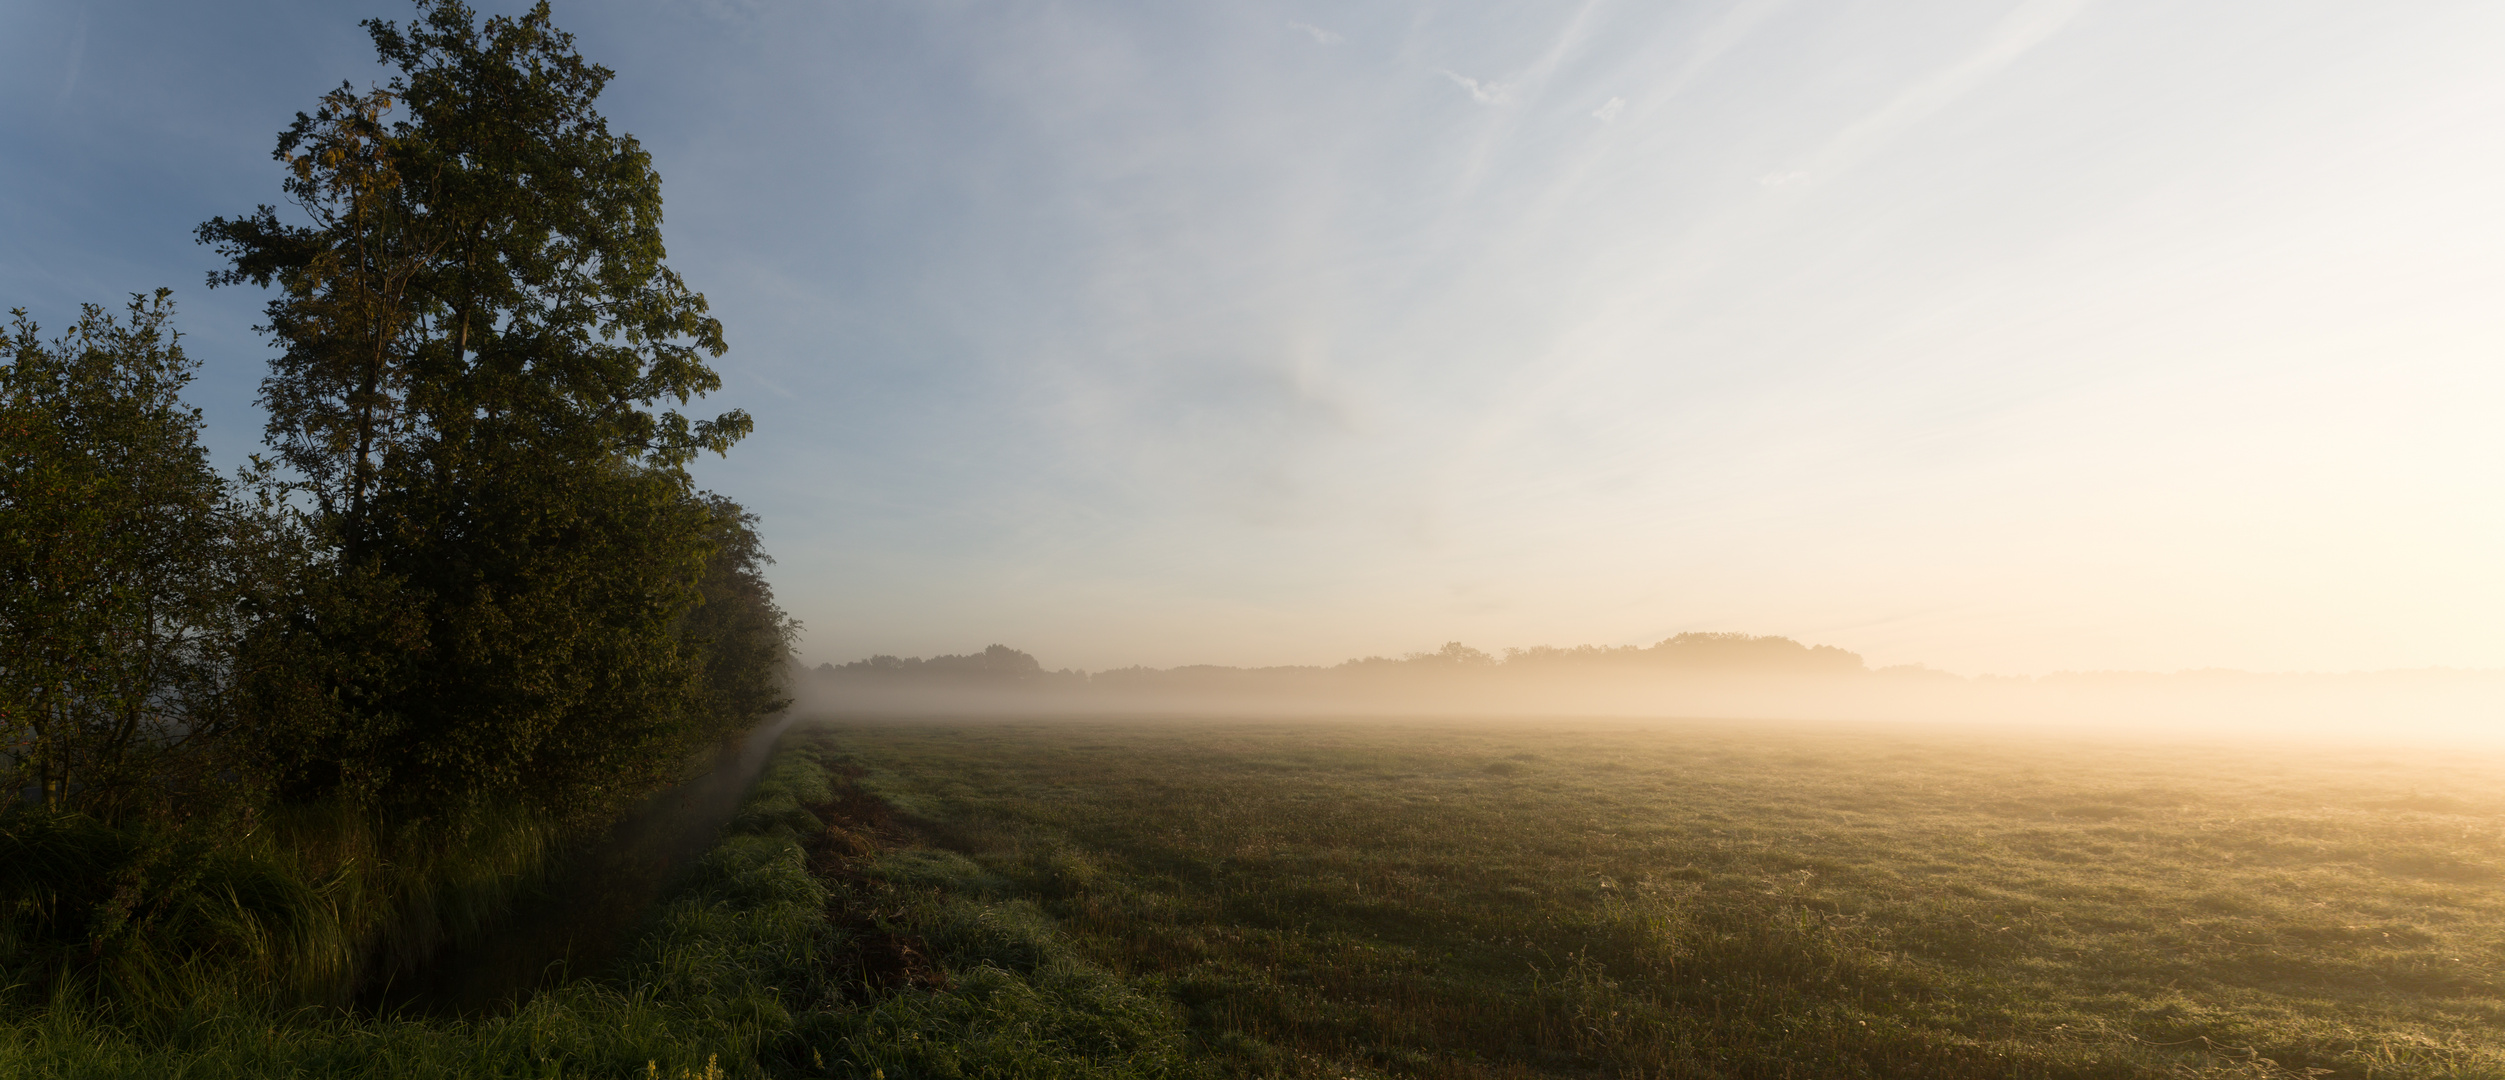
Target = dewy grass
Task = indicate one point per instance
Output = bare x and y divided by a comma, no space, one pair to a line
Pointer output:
1577,899
1345,900
1006,996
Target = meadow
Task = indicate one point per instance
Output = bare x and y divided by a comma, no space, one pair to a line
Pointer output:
1203,899
1574,898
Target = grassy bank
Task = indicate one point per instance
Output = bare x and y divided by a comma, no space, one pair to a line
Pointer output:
143,923
799,946
1492,900
220,974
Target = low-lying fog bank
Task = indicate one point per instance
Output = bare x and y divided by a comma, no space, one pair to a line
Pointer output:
1693,675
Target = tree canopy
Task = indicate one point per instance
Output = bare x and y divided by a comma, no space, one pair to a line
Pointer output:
470,603
482,349
119,581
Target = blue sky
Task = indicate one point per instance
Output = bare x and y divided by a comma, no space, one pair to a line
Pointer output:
2001,336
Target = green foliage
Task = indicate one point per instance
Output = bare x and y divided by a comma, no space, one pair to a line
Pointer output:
482,277
744,638
520,597
125,921
122,566
699,994
280,752
297,907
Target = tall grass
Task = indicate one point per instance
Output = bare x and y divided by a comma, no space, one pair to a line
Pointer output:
753,967
137,924
298,909
701,991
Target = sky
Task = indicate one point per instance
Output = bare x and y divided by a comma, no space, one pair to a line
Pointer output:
2005,337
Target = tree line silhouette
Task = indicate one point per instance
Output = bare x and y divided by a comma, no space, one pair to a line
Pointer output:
999,666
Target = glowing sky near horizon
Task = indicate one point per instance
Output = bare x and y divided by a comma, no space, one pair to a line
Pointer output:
1999,336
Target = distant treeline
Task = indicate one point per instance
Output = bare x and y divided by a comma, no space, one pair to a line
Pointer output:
1001,667
1694,674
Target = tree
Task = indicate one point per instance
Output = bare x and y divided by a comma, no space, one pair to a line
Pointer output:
480,341
119,564
743,636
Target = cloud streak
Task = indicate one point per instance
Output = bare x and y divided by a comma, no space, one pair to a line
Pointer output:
2032,24
75,54
1319,35
1485,92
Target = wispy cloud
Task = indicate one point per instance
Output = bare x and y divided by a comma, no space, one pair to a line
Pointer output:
1485,92
2030,25
1319,35
1610,109
77,52
1725,34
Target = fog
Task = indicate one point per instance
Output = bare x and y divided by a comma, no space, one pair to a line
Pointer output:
1718,676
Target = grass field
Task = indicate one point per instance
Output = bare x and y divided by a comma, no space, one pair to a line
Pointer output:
1348,899
1195,899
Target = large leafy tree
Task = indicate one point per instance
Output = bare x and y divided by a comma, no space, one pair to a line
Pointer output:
483,351
122,572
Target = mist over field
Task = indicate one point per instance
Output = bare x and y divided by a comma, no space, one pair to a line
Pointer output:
1728,675
959,594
